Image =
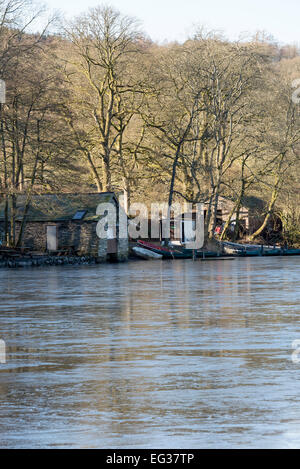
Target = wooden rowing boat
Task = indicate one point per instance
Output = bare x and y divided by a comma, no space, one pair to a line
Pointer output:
249,250
177,251
146,254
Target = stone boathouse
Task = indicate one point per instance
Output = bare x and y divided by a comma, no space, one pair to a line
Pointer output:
56,222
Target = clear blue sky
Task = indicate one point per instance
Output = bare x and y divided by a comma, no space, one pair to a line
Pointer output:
173,19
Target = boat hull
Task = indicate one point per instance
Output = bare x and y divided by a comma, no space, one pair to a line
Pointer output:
241,250
177,252
146,254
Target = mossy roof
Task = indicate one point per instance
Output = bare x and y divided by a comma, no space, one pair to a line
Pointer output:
60,207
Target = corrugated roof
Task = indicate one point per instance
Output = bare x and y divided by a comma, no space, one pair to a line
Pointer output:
59,207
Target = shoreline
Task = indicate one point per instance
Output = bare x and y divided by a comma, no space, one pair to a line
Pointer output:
43,261
76,261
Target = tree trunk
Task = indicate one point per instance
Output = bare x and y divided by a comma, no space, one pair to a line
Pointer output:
30,189
94,172
267,217
213,216
23,222
232,212
237,223
127,194
12,234
6,222
106,175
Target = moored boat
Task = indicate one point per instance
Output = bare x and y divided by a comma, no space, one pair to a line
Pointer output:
146,254
290,252
167,252
249,250
177,251
174,251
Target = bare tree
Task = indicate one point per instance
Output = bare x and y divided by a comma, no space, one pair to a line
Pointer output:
105,46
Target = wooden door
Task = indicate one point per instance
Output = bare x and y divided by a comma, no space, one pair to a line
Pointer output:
51,238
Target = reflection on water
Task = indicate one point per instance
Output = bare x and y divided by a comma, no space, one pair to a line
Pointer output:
151,354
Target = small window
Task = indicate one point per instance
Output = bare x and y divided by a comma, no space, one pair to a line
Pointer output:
79,215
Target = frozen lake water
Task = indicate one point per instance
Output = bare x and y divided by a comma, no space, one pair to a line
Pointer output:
158,354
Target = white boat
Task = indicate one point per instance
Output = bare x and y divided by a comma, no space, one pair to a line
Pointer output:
146,253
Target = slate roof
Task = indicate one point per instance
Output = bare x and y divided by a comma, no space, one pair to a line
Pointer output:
60,207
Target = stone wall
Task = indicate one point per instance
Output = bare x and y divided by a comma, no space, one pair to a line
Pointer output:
34,236
82,236
102,250
45,260
123,249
